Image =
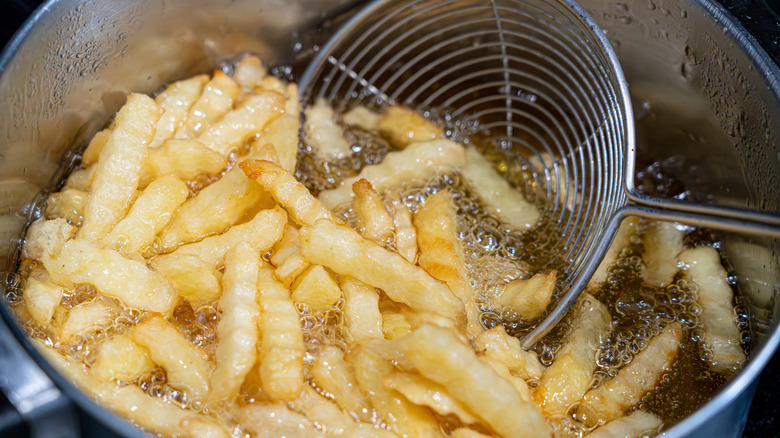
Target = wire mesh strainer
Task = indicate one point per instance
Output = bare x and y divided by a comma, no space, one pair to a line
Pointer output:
542,82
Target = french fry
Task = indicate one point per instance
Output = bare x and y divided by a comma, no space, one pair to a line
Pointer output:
413,165
197,281
302,207
402,416
345,252
281,345
361,310
273,420
87,318
287,257
316,288
571,373
465,432
91,154
130,281
614,397
497,196
262,151
373,221
394,322
362,117
322,132
216,99
271,83
237,329
67,204
425,392
634,425
249,72
262,232
148,215
121,359
718,317
519,384
622,239
41,298
186,366
441,253
499,346
225,202
81,179
282,133
528,297
404,232
663,243
176,100
438,355
248,119
403,126
198,427
117,174
44,243
184,158
332,374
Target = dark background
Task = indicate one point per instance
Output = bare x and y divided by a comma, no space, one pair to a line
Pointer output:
760,17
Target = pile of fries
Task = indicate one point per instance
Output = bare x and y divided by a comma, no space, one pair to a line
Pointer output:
177,275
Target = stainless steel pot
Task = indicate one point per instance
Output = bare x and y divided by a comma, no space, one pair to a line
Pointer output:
707,101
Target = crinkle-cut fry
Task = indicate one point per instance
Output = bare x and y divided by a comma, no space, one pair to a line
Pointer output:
237,329
302,207
718,317
403,126
262,151
401,416
152,413
44,243
373,220
81,179
249,72
496,194
316,288
197,427
287,257
121,359
176,100
571,373
91,154
437,354
519,384
87,318
216,99
274,420
362,117
212,211
361,310
185,158
292,267
332,374
346,252
251,115
614,397
634,425
404,232
465,432
394,324
148,215
281,345
282,133
441,253
272,83
413,165
627,229
322,133
117,174
497,344
41,298
193,279
529,297
262,232
425,392
68,204
186,366
114,275
663,242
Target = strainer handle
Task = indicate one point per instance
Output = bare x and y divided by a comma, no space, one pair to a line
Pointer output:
720,223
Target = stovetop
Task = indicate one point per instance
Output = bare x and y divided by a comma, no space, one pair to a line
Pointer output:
762,20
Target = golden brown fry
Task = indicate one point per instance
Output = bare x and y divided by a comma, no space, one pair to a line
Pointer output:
343,250
198,427
425,392
519,384
404,232
184,158
336,377
67,204
281,346
499,346
529,297
249,72
316,288
282,133
149,214
176,100
186,366
91,154
81,179
626,231
361,310
614,397
571,372
403,126
322,132
361,117
718,317
394,324
117,174
193,279
41,298
634,425
44,242
215,100
87,318
373,221
440,356
287,257
465,432
121,359
663,242
274,420
303,208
